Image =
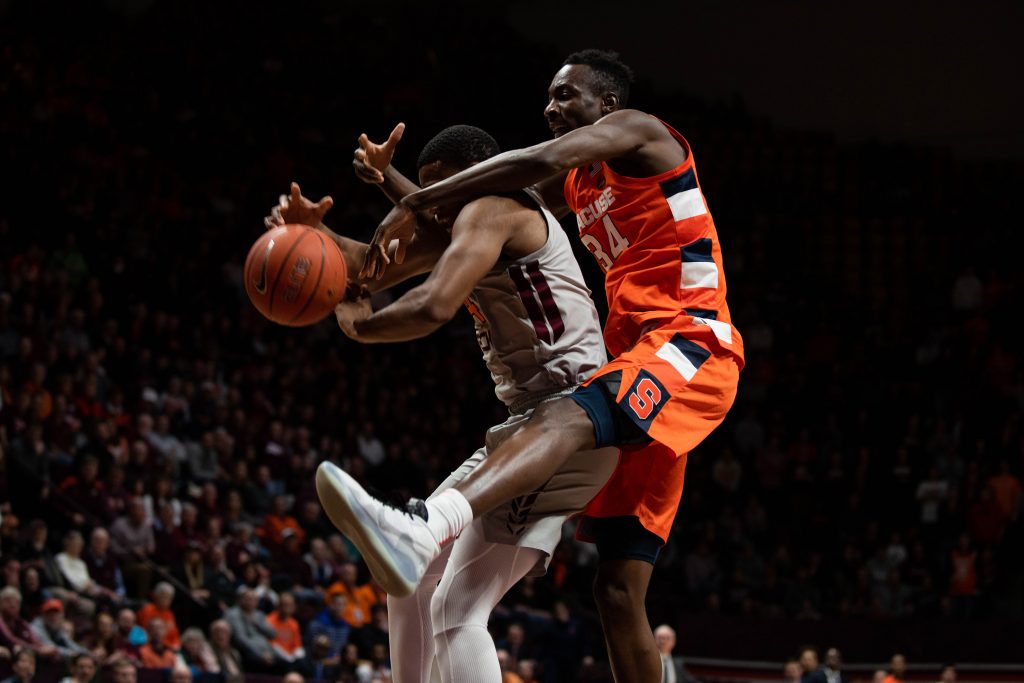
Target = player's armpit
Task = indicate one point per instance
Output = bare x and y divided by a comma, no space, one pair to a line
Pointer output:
552,191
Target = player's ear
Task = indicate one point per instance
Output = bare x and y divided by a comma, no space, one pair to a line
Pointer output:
609,103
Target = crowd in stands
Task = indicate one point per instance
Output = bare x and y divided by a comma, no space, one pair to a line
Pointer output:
158,438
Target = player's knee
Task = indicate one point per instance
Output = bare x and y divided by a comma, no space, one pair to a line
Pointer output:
450,609
616,595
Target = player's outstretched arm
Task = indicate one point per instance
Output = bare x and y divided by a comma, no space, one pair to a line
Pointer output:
617,134
371,162
479,233
428,244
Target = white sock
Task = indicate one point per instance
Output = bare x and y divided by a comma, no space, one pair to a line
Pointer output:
448,514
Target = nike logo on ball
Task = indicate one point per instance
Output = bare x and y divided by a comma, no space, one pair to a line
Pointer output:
260,284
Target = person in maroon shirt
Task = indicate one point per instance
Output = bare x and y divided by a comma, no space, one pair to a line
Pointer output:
15,632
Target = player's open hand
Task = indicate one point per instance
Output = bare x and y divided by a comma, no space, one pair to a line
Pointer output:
349,313
399,224
371,159
293,208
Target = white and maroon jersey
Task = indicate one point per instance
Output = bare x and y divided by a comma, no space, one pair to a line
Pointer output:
536,323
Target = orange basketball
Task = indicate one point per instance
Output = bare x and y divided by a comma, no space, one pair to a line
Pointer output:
295,275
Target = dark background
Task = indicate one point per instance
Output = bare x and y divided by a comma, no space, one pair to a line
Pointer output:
861,162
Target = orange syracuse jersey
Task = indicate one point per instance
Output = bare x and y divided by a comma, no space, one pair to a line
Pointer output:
657,244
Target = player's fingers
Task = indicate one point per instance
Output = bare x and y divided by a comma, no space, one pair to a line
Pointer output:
322,207
283,202
364,142
395,136
400,251
296,192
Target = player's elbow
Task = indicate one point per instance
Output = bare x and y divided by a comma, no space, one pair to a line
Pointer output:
437,312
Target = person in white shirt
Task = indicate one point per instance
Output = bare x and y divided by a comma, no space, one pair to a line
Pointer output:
73,567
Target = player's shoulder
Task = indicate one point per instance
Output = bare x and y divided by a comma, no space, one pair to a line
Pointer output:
513,206
634,119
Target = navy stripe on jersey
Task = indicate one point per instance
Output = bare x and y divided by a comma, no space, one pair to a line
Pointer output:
705,313
683,196
529,300
547,299
681,183
695,353
698,251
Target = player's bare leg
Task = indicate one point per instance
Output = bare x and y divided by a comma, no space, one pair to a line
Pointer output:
620,589
399,545
526,461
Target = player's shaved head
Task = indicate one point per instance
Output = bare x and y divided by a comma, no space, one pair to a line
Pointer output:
458,147
610,74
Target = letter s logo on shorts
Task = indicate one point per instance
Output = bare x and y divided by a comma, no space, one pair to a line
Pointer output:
644,400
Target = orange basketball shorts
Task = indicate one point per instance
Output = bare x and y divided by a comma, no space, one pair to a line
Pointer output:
673,392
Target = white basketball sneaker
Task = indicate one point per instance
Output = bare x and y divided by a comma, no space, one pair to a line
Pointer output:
396,544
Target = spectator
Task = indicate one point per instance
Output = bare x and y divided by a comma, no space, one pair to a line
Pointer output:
359,599
15,632
228,659
376,632
23,667
83,669
102,641
35,553
50,630
163,596
897,669
505,663
293,677
673,668
132,538
527,671
156,654
948,674
180,674
1007,490
278,522
125,671
196,653
318,664
130,637
322,568
371,448
74,568
832,671
287,641
252,632
102,566
808,663
963,580
198,578
331,622
203,461
169,542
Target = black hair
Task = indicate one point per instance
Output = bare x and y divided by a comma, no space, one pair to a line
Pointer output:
458,146
610,73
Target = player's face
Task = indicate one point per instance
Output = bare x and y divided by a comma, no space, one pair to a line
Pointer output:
434,173
572,100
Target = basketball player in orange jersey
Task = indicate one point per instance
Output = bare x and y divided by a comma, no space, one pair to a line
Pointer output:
631,180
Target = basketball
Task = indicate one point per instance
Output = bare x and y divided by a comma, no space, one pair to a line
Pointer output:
295,275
